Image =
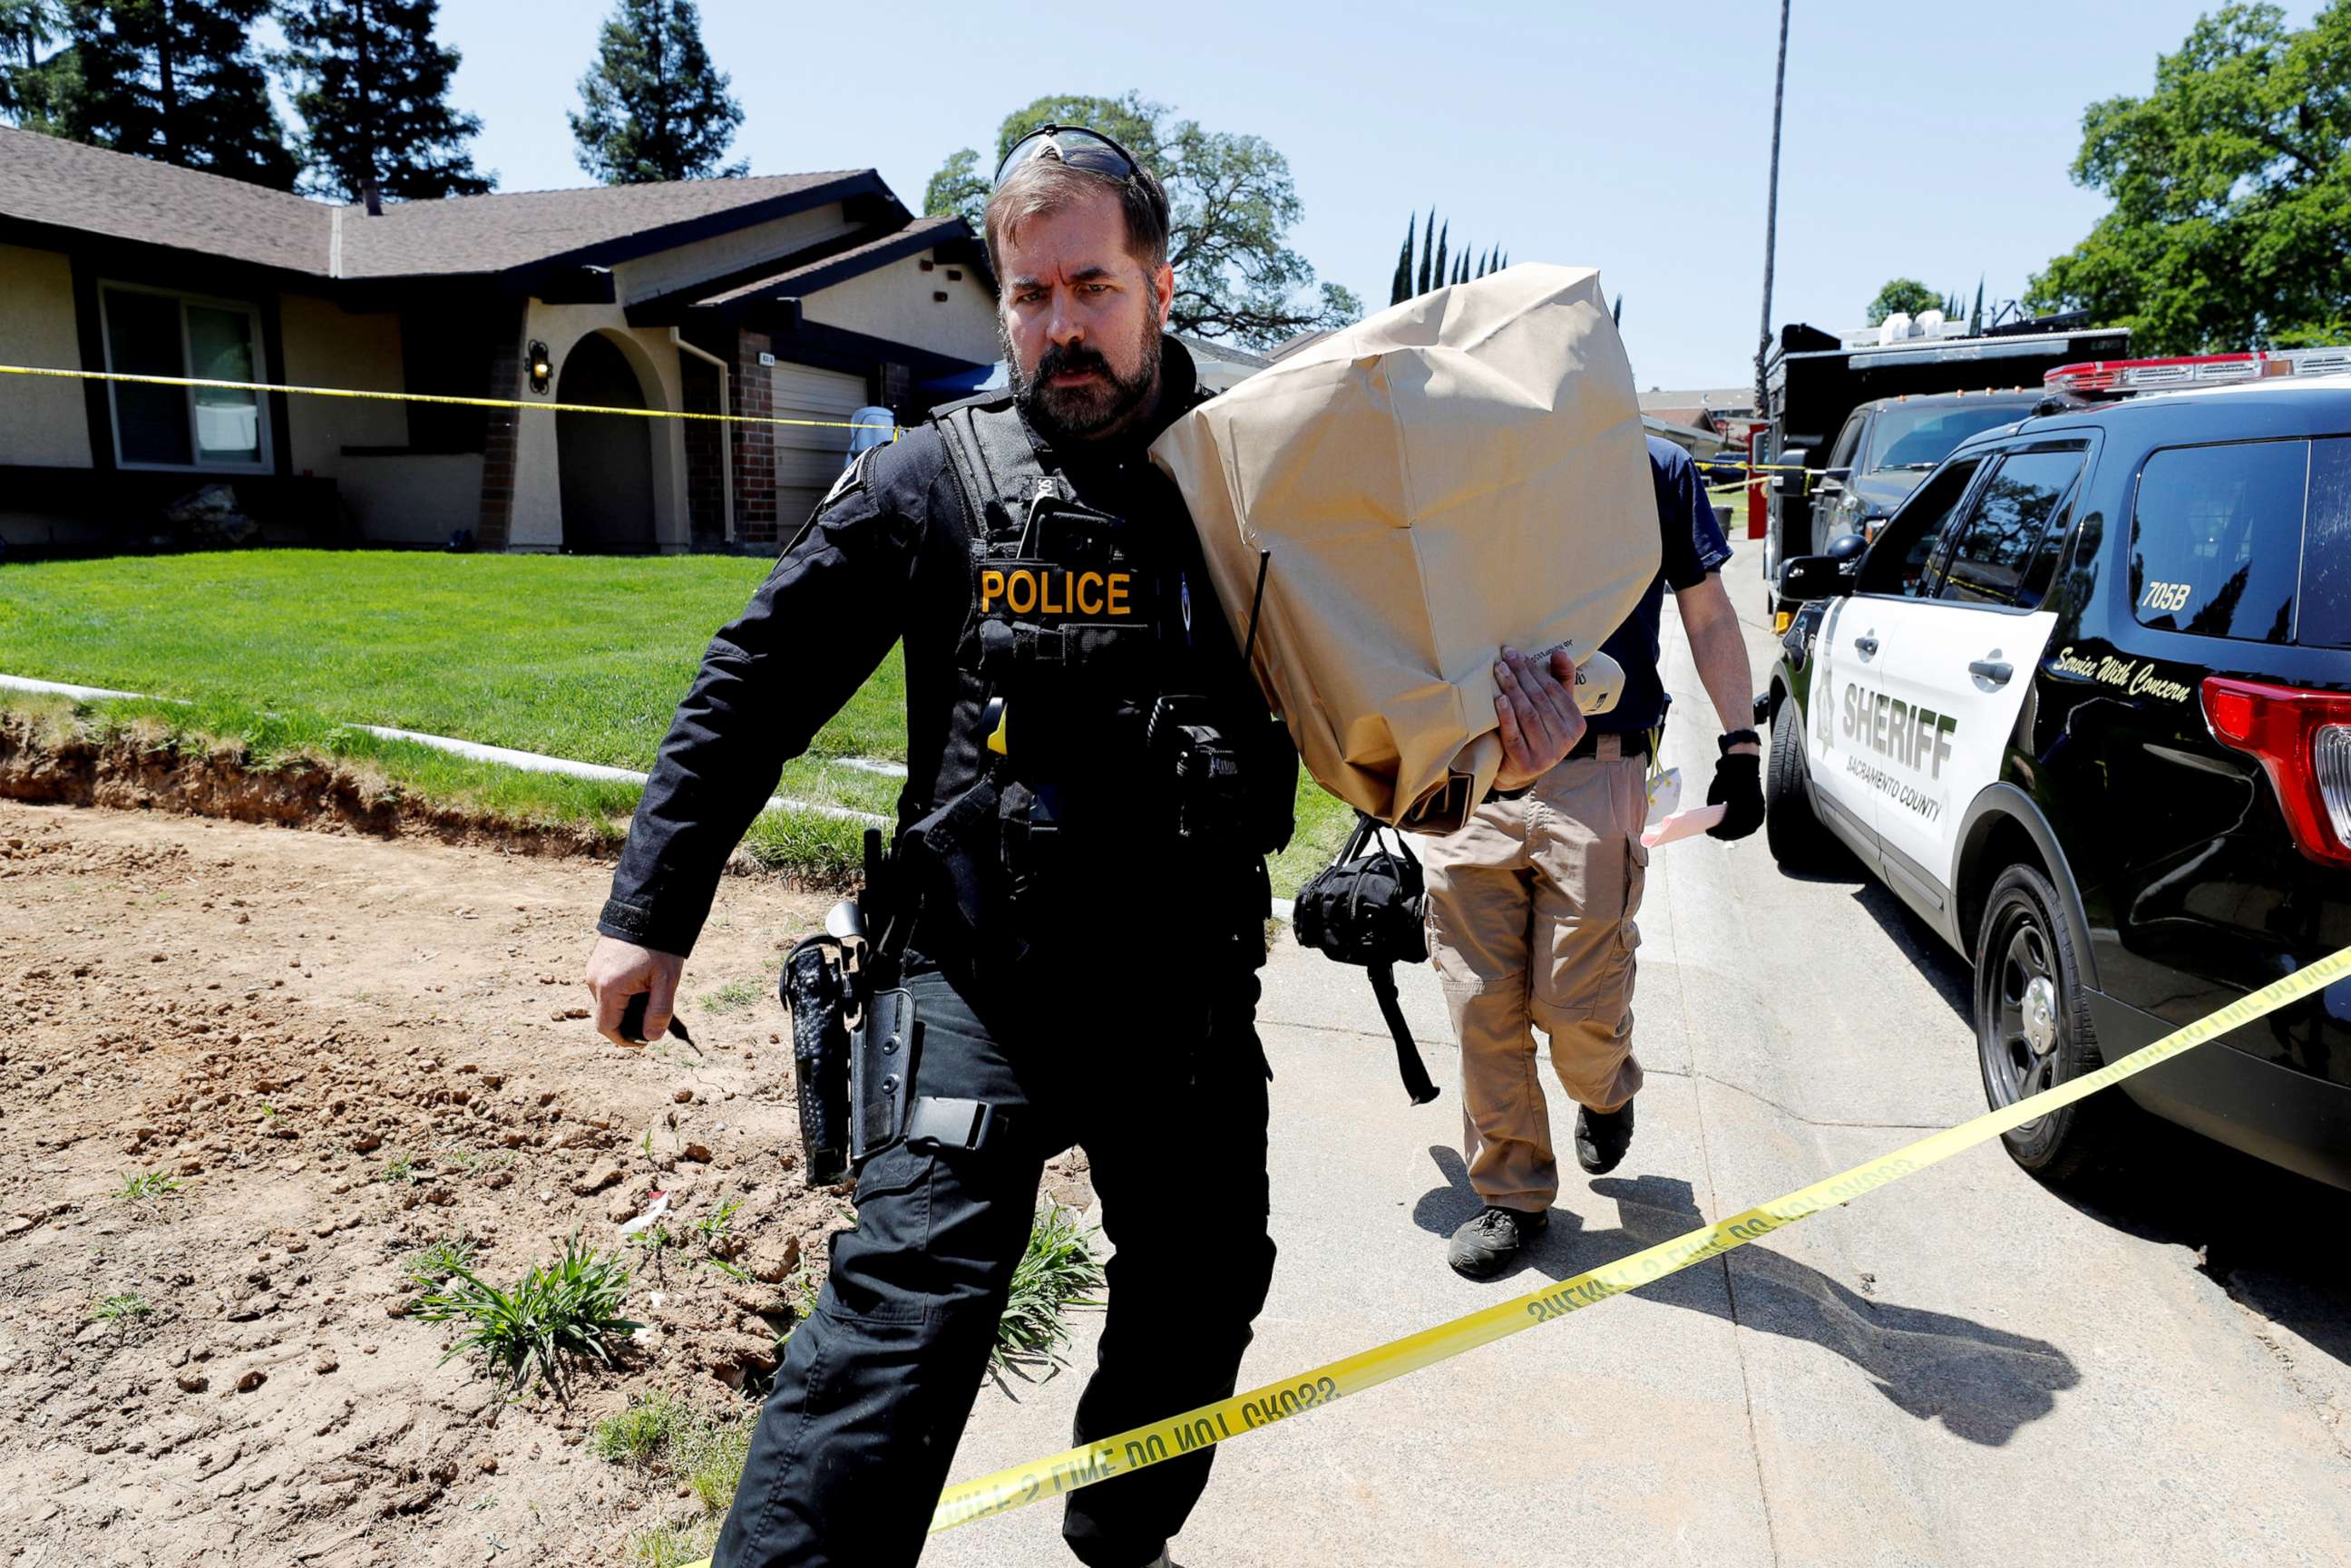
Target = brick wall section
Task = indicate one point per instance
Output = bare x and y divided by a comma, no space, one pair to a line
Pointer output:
705,491
490,531
754,388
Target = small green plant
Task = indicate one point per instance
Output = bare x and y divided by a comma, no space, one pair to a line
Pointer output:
714,1227
400,1167
559,1315
733,996
120,1309
646,1433
427,1268
268,1111
667,1436
672,1545
147,1187
1057,1270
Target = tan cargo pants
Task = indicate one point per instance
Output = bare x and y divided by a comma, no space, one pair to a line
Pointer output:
1531,908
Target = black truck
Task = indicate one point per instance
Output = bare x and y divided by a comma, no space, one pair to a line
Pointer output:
1815,386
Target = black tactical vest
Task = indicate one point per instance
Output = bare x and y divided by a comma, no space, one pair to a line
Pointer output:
1128,756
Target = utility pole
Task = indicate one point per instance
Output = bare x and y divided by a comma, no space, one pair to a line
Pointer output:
1771,211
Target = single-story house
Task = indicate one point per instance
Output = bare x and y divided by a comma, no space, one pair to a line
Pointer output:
801,296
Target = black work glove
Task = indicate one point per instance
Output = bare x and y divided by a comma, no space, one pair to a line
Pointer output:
1738,786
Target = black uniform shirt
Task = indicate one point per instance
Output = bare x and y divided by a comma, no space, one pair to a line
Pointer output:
887,556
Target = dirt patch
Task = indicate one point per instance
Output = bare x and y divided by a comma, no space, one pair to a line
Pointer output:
344,1049
52,765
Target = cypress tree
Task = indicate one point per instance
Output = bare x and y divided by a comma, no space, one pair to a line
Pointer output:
657,108
1443,275
1616,313
1427,253
1401,289
374,90
176,81
1975,317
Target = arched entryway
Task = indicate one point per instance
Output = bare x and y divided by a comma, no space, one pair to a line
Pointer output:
605,460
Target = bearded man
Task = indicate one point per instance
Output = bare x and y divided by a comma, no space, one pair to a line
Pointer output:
1082,886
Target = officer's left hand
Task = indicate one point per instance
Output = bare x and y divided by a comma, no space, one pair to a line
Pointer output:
1536,709
1738,784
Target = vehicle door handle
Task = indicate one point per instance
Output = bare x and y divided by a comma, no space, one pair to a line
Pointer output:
1992,670
1868,646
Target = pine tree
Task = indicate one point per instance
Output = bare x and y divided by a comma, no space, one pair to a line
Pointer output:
373,88
177,81
1427,253
1401,289
36,82
657,108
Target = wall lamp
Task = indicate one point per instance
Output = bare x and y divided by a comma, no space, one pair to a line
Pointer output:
539,367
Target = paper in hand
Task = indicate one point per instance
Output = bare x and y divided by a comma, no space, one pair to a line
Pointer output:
1686,825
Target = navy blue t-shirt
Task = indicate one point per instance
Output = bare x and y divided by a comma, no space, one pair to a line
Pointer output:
1693,546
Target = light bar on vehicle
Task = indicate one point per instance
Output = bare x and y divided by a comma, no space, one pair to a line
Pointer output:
2121,378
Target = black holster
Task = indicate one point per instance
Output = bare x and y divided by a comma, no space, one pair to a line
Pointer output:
817,992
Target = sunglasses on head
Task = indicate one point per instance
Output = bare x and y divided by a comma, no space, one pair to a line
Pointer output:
1083,148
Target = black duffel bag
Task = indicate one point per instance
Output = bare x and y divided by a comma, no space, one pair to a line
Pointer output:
1366,908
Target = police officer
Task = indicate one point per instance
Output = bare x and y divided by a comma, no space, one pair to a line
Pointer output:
1094,782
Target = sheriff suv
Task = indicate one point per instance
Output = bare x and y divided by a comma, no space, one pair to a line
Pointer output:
2084,705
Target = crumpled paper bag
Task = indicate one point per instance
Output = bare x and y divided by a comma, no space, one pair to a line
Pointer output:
1462,471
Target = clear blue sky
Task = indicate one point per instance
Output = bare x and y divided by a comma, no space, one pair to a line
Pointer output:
1928,140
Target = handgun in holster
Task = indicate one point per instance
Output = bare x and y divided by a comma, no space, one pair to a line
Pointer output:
856,1041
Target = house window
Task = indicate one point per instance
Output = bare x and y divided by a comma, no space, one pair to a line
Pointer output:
155,334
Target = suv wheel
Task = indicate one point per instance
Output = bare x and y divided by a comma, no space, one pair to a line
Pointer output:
1798,840
2033,1030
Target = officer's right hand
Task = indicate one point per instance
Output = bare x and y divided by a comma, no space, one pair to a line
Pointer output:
618,970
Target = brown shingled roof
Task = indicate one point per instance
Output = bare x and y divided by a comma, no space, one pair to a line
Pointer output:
45,179
68,185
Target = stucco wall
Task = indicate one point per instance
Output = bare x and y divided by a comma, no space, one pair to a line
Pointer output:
537,519
44,422
671,269
327,346
417,499
894,302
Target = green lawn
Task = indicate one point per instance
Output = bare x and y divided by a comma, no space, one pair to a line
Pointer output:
583,657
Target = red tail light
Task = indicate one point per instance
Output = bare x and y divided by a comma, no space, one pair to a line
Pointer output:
2304,742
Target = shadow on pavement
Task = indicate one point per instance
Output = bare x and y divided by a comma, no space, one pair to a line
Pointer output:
2264,1235
1982,1384
2252,1223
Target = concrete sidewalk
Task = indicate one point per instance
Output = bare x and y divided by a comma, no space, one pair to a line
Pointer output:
1958,1369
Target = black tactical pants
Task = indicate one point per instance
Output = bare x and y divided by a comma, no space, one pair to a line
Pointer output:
1165,1086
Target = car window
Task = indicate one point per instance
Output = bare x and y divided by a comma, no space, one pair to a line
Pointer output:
1919,436
2215,540
1841,454
2019,515
1896,563
2324,619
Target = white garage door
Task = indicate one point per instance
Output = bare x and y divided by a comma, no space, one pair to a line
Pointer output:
807,460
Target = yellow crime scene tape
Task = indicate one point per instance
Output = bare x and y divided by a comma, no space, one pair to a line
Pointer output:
54,371
1058,1474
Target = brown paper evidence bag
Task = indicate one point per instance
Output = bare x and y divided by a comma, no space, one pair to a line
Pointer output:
1460,472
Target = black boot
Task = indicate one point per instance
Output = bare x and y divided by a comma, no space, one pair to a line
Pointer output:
1490,1243
1601,1137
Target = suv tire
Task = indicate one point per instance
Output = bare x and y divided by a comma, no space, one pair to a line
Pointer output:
1798,839
2034,1030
